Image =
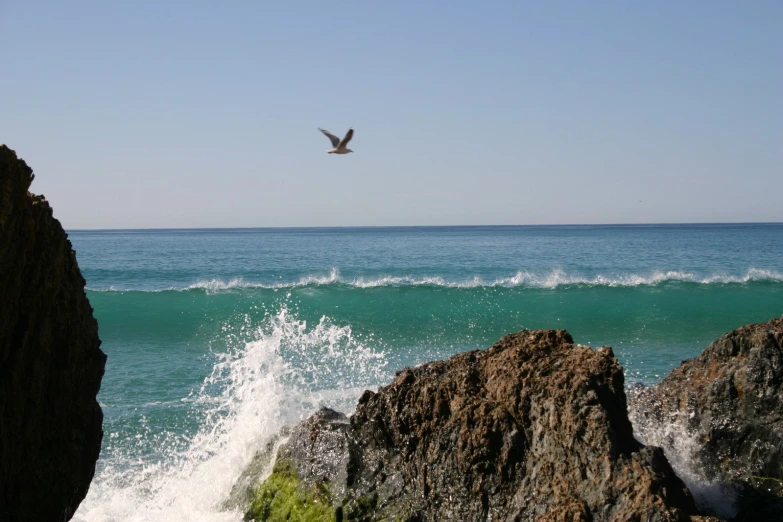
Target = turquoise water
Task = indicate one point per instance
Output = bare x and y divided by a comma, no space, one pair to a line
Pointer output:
216,338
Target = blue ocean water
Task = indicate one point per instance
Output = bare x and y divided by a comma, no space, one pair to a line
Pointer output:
216,338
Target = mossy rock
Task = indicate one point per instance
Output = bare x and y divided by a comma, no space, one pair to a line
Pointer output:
282,496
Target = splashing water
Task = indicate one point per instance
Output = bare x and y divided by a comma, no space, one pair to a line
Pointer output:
279,374
681,447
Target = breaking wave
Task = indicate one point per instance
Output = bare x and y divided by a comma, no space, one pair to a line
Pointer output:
267,376
522,279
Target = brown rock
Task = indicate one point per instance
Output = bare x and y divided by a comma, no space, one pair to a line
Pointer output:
534,428
51,364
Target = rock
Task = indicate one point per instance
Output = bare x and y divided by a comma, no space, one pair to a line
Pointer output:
533,428
242,491
721,415
51,364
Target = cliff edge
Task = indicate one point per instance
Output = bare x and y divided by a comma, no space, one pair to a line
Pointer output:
51,364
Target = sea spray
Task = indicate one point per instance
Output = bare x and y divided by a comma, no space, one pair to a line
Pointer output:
267,376
681,447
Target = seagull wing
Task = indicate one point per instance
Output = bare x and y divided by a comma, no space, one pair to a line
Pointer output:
347,138
334,139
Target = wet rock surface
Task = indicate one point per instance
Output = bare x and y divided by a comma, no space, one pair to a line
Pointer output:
533,428
728,403
51,364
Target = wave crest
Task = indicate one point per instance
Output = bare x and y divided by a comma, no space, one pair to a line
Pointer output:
557,278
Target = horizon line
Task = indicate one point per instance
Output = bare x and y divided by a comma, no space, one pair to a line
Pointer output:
326,227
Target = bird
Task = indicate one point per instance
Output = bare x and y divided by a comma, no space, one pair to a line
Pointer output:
339,145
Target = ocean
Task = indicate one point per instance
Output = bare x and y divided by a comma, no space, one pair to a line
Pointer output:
218,337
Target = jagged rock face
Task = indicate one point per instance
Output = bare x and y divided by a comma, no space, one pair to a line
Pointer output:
730,401
534,428
51,364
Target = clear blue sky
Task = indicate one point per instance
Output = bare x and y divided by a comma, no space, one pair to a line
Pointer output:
205,114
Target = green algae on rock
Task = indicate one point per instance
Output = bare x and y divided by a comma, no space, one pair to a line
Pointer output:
282,496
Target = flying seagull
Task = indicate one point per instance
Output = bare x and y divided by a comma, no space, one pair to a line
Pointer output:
339,146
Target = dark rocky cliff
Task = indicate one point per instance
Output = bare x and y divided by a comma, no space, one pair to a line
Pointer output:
729,403
534,428
51,364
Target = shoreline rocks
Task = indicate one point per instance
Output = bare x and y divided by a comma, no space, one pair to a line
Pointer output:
533,428
51,364
721,413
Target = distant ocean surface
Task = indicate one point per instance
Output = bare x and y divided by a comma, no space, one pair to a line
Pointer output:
217,338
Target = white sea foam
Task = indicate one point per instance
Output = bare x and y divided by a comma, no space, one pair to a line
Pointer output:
281,375
681,447
553,279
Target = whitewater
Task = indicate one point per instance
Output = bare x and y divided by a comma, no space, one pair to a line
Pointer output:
555,279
